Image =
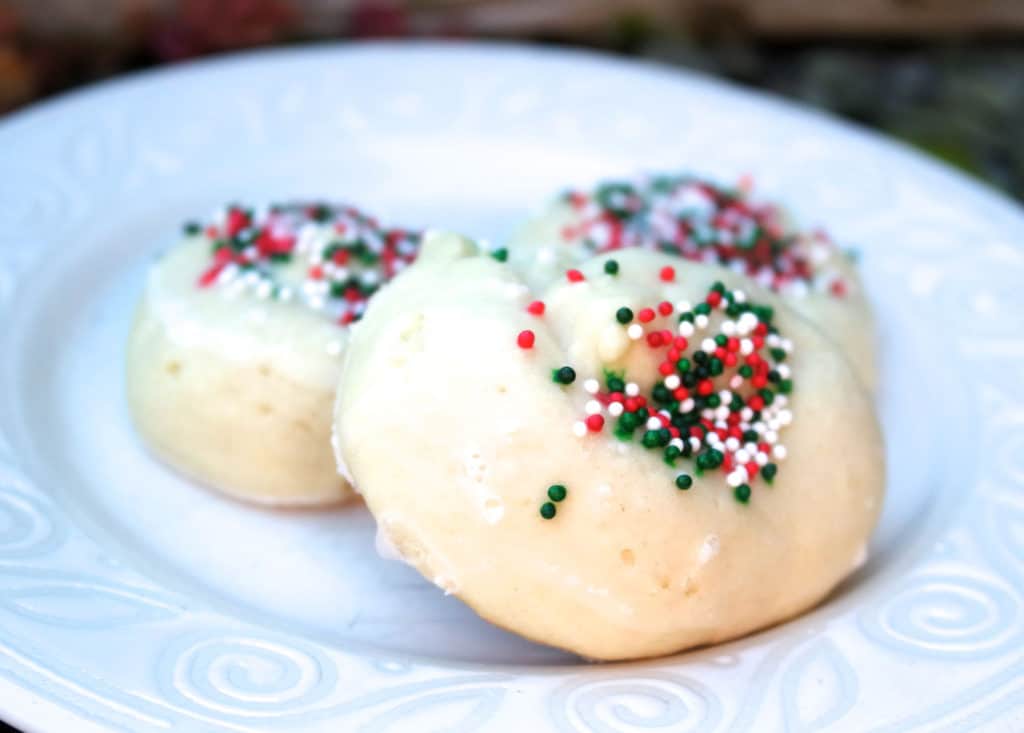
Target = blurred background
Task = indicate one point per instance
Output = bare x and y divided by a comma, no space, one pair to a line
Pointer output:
944,75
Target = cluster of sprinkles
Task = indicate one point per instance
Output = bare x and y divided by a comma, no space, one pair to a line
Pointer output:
556,493
330,257
721,396
692,218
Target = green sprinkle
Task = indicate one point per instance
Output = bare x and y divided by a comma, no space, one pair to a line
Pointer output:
611,267
683,365
564,375
548,510
500,254
616,384
623,315
557,492
683,482
191,229
786,386
651,439
718,287
768,471
702,309
746,371
778,354
671,454
742,493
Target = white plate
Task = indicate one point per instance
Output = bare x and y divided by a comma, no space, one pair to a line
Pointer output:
132,600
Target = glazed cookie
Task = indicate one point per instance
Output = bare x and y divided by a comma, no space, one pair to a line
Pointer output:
234,357
641,458
702,222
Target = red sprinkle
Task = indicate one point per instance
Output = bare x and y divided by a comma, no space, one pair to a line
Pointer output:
667,274
665,308
595,423
646,315
536,308
525,339
574,276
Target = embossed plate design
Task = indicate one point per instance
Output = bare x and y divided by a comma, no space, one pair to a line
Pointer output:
132,600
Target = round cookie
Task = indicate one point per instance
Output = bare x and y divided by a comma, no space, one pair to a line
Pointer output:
702,222
234,356
502,440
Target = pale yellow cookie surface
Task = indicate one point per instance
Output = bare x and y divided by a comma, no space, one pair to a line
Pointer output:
232,390
454,432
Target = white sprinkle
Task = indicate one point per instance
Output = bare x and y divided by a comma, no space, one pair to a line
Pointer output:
746,347
685,329
635,331
785,417
285,294
694,443
728,328
779,452
746,414
615,409
333,347
772,340
632,389
687,405
759,427
770,436
264,289
739,296
579,428
732,444
653,423
593,407
783,371
761,458
682,306
676,442
672,381
701,321
591,386
735,478
736,381
708,345
742,456
721,412
787,345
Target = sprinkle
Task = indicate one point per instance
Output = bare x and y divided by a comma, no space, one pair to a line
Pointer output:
579,428
667,274
564,375
683,482
525,339
623,315
574,276
548,510
611,267
720,403
536,308
700,221
263,242
557,492
500,254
